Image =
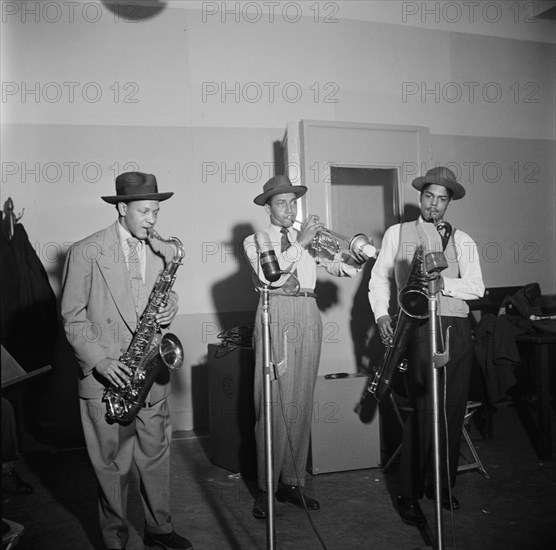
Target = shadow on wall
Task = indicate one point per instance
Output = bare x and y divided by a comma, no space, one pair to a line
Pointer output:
138,10
366,342
235,302
236,293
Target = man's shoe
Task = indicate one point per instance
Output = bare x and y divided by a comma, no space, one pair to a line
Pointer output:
449,502
260,506
410,511
168,541
293,494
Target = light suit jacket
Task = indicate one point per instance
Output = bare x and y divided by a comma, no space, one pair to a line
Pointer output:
97,308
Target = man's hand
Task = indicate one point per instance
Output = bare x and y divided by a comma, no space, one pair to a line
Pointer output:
385,329
434,282
360,257
116,372
309,228
167,313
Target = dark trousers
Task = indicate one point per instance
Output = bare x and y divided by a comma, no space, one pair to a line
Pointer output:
9,446
417,456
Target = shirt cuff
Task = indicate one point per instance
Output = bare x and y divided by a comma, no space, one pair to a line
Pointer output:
380,312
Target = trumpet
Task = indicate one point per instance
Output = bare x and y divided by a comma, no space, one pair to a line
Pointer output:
330,242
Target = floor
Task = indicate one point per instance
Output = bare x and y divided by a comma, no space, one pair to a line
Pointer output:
513,510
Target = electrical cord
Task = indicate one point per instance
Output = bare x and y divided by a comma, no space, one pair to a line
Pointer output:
290,446
237,337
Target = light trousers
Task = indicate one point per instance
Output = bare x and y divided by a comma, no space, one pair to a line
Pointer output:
296,337
113,449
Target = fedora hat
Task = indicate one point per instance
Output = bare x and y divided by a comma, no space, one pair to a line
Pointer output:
276,186
441,176
136,186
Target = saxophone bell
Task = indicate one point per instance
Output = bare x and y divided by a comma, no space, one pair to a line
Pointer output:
171,351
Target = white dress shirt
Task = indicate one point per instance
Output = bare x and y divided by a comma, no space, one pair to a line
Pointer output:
468,286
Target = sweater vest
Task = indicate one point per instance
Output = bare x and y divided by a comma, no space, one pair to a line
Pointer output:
408,243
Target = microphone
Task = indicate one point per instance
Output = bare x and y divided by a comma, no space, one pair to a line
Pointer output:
434,260
268,260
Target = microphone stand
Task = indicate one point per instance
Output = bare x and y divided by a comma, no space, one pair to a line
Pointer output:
437,361
267,393
273,274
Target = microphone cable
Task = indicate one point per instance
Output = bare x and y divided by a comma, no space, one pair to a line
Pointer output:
290,446
236,337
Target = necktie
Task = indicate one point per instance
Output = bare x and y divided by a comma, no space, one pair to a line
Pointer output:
137,285
290,285
285,242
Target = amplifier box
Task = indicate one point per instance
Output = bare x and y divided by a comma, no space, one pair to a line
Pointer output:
345,427
231,409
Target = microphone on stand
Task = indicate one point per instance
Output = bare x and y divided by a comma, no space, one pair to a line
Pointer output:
434,257
268,260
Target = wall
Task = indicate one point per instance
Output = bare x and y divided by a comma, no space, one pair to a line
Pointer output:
201,97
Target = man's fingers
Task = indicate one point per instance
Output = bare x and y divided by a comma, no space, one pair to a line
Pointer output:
123,367
120,374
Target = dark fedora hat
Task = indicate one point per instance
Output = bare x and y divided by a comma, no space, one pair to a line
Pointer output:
276,186
136,186
441,176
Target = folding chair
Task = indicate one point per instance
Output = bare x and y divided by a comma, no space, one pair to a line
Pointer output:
476,464
470,410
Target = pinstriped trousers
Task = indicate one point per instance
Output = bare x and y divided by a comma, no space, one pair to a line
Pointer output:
296,335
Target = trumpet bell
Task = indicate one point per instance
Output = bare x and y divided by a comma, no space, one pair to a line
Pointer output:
332,243
361,244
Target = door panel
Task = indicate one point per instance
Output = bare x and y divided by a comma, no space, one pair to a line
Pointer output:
356,175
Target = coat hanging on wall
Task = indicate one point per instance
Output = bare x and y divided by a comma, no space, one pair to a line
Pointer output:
29,316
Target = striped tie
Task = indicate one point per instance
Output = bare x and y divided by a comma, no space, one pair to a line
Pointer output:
285,242
290,285
137,285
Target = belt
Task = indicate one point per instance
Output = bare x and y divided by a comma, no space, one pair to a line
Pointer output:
301,294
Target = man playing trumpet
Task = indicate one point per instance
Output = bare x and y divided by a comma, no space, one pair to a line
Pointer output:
296,337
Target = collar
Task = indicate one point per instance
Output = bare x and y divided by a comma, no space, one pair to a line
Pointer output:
124,235
276,231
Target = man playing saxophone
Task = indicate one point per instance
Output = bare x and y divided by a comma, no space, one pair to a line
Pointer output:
460,281
107,281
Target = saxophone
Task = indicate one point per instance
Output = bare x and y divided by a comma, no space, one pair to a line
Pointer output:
149,351
413,307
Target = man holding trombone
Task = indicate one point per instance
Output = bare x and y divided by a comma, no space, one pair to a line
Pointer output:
296,335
